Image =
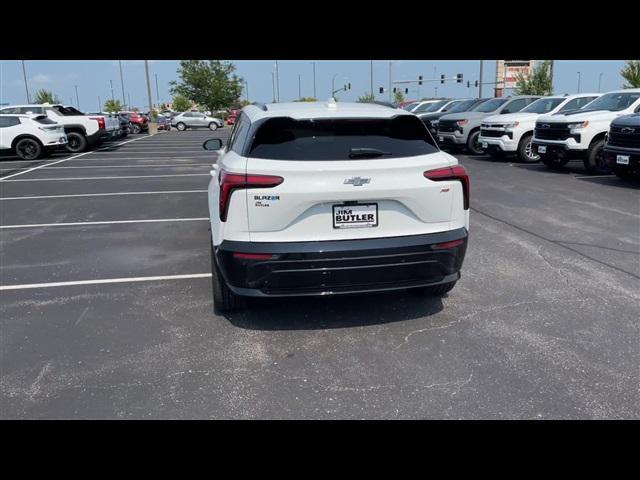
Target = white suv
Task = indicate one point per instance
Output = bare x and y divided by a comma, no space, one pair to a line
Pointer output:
333,198
513,132
30,136
580,134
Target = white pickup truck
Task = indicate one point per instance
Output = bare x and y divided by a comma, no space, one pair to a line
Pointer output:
83,131
580,134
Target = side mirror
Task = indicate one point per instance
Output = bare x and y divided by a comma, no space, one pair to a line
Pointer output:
212,144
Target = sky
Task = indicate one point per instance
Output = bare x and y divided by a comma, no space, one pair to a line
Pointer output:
92,78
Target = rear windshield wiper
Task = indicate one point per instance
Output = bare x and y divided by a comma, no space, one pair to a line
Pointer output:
366,152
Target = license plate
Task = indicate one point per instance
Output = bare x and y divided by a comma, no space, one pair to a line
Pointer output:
622,159
542,149
484,145
441,138
63,139
355,216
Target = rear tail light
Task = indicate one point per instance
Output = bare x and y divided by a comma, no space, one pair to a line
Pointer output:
457,172
100,120
236,181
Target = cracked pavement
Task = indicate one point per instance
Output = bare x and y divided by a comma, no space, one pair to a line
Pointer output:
543,324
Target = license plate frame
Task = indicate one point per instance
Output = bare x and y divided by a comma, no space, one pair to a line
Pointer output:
358,207
622,159
542,149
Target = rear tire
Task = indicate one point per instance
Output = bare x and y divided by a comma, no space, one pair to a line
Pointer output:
554,163
181,126
473,145
525,150
595,161
29,149
213,126
76,142
435,290
135,128
224,300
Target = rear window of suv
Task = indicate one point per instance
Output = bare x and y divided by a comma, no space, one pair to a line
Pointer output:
43,119
284,138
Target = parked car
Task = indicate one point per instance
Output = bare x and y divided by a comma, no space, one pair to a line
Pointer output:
580,134
233,115
462,130
83,131
513,133
308,205
30,136
622,148
195,120
430,119
421,106
139,123
112,123
164,123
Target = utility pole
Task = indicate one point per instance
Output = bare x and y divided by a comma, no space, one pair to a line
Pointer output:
371,76
314,80
299,86
157,89
122,83
146,73
129,105
333,88
551,74
246,86
480,81
277,82
71,101
579,75
111,83
24,73
599,82
77,98
99,104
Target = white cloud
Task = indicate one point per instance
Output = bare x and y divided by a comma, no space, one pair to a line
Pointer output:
41,78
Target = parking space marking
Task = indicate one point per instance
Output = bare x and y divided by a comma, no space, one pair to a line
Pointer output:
128,166
105,222
107,178
159,192
57,161
104,280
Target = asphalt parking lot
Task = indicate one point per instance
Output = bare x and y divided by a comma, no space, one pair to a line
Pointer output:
543,324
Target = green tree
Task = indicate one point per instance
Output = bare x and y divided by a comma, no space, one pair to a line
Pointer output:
181,103
306,99
113,106
366,98
210,83
631,73
539,82
398,97
46,96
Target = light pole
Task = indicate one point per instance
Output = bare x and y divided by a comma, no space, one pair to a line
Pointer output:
390,83
157,89
480,81
314,80
111,83
77,98
599,82
122,82
299,86
333,83
99,104
246,86
579,82
150,98
273,84
371,76
24,73
129,97
277,82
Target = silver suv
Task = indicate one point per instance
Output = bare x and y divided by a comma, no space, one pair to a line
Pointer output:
195,120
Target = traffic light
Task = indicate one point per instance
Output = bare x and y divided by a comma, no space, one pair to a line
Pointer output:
420,80
349,85
468,84
381,89
476,83
394,89
459,78
406,91
442,78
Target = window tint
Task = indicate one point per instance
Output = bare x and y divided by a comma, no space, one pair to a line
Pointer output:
516,105
543,105
66,111
241,136
614,102
9,121
576,103
464,106
10,110
44,120
333,139
29,110
489,105
410,106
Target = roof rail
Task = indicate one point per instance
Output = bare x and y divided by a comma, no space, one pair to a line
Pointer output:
260,105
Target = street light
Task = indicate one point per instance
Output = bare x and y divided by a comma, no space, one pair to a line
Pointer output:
77,99
314,79
579,75
599,82
299,86
24,72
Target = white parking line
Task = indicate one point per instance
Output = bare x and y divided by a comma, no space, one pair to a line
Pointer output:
107,178
58,161
596,176
104,280
128,166
106,222
160,192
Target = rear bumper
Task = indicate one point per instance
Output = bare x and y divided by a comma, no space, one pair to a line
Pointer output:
453,139
342,267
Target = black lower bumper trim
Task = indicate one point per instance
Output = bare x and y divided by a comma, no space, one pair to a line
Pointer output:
343,266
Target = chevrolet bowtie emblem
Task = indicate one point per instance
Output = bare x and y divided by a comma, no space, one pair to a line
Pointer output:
356,181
